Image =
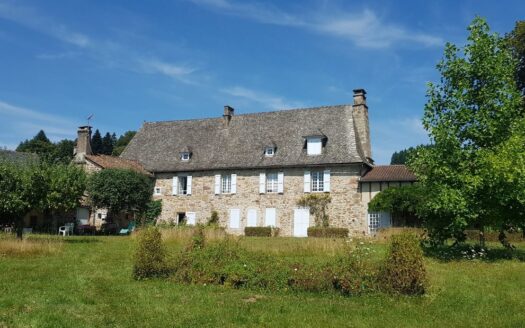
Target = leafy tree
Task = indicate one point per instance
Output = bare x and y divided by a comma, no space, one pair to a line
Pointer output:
120,190
122,142
96,143
66,185
517,44
152,212
107,144
318,205
469,113
403,201
64,151
39,145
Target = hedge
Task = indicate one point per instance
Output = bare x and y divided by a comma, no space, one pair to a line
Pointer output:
327,232
261,231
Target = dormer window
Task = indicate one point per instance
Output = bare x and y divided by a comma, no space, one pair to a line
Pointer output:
269,151
185,156
314,145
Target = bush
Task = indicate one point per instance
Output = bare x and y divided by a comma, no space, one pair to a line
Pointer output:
150,257
258,231
214,219
403,271
327,232
354,273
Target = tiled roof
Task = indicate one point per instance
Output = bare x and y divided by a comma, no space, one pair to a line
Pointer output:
113,162
389,173
239,143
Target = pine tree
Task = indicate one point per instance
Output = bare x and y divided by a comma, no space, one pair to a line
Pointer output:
96,143
107,144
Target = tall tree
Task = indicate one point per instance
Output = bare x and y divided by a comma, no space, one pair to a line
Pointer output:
107,144
517,44
122,142
469,113
39,144
64,151
96,142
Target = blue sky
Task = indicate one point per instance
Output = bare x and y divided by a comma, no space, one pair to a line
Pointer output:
132,61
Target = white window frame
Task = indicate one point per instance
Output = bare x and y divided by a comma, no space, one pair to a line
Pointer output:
272,182
228,183
270,217
180,186
185,156
314,146
374,222
269,151
317,181
157,191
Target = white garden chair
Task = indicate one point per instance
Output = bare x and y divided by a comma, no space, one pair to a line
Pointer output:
66,230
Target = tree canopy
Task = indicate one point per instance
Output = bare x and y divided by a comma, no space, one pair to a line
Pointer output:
120,190
472,114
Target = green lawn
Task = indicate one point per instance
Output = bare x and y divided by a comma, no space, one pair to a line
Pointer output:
87,283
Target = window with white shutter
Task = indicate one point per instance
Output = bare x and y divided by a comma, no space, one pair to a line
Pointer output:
175,185
270,217
262,183
235,218
217,184
307,178
234,184
280,182
314,145
188,184
271,183
317,181
326,178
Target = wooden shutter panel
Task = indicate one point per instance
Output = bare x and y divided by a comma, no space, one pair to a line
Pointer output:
280,182
217,184
262,183
188,184
307,178
175,185
234,184
326,181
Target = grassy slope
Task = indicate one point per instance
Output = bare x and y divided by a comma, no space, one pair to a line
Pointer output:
89,284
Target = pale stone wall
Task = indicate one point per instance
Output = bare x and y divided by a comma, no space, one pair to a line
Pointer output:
346,210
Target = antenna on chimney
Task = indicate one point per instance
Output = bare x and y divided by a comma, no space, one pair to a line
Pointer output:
89,118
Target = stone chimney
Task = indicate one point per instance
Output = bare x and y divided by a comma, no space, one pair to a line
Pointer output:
83,147
228,113
360,115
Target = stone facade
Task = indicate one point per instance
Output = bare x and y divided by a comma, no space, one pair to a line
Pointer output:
346,209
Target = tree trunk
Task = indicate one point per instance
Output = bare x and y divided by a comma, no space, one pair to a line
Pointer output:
19,227
482,237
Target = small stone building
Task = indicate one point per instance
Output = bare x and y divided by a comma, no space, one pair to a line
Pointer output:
253,168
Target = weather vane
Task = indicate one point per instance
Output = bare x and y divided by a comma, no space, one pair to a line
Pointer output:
89,118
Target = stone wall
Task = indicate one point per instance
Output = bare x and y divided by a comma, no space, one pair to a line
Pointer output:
346,210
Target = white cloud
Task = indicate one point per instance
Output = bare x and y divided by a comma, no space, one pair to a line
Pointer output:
180,72
32,19
268,101
19,123
365,29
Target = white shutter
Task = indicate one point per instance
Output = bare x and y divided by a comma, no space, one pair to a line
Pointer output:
326,181
217,184
192,218
175,185
307,181
188,184
252,218
262,183
235,218
234,184
280,182
269,218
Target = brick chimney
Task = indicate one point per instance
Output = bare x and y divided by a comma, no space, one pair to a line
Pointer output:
83,147
228,114
360,115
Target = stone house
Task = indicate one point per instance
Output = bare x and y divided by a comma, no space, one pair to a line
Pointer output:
253,168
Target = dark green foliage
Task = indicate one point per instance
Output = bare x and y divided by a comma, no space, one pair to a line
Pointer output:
403,271
151,212
401,156
120,190
96,143
402,201
150,256
122,142
107,144
327,232
318,205
258,231
64,151
516,40
214,219
354,273
60,152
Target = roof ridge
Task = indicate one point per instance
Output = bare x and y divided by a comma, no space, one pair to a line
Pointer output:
252,114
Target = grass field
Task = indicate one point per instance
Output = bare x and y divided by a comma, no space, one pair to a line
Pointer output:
86,282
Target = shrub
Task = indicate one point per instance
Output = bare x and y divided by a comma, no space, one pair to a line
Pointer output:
258,231
327,232
354,273
150,257
403,271
214,219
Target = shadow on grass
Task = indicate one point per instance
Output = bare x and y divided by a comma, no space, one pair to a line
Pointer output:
473,252
81,240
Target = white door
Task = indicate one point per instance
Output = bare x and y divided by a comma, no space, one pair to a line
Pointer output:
235,218
252,217
301,222
82,215
269,217
191,218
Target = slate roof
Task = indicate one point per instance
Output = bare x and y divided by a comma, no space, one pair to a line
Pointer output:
216,144
389,173
113,162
